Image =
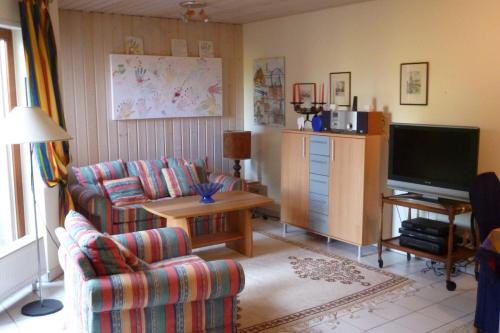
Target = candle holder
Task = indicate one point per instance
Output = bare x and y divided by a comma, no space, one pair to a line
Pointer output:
315,108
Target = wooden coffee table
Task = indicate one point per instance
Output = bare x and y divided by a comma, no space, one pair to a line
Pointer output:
237,205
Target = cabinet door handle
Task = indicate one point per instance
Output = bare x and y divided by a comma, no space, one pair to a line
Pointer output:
303,147
332,153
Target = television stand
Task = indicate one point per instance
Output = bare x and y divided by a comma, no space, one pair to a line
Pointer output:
450,208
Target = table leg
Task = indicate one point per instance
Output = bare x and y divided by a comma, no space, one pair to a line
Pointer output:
241,222
381,232
450,285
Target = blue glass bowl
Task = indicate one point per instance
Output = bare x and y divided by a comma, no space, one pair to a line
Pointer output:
206,190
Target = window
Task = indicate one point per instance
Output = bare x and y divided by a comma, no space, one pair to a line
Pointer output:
12,222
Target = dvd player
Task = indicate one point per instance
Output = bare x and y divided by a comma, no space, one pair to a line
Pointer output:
443,240
427,226
422,245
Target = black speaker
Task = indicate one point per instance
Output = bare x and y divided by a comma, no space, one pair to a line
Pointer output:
326,117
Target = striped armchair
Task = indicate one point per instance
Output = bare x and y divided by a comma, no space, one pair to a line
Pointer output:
177,292
90,199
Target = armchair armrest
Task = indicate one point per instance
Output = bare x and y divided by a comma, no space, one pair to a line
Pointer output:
90,200
156,244
229,183
167,285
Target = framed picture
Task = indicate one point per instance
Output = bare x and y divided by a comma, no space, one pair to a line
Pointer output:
340,88
414,83
179,47
134,45
306,93
269,91
206,49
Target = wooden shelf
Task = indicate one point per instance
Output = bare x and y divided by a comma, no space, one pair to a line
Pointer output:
460,252
217,238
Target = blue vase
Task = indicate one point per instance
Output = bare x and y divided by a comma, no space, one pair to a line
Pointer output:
317,123
206,190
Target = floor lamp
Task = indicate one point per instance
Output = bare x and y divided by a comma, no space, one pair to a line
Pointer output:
30,125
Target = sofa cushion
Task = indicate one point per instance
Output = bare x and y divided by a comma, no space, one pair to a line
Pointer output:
229,183
134,262
201,166
93,174
101,250
149,172
179,179
176,261
124,191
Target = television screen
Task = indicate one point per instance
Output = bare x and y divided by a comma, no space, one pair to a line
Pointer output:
437,156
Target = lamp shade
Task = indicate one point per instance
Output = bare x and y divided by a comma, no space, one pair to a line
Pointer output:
30,125
238,145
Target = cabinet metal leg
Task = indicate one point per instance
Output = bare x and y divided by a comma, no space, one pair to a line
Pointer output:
359,252
284,229
328,240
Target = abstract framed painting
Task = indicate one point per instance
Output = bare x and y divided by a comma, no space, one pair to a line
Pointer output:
269,91
414,83
148,87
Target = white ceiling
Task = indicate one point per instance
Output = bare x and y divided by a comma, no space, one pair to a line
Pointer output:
227,11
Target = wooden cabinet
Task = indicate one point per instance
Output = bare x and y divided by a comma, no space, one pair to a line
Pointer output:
294,186
336,180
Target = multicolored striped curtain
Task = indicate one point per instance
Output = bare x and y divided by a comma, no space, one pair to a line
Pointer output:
43,91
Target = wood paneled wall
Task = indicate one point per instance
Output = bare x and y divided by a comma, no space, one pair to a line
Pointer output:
87,39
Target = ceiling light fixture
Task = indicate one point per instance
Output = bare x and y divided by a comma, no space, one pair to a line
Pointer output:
193,10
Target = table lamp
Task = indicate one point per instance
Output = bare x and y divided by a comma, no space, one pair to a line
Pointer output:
237,146
30,125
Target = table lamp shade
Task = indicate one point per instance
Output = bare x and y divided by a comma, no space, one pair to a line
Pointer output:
238,145
30,125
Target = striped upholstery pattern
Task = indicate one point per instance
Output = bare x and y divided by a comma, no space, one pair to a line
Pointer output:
201,166
83,264
179,180
177,294
150,175
204,225
134,262
124,191
103,253
156,244
93,174
175,284
229,183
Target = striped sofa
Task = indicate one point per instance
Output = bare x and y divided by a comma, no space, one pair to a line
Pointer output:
177,292
89,197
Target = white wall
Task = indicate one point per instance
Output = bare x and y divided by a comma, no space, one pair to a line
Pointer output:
9,13
460,39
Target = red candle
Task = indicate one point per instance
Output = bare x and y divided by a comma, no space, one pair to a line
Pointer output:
323,92
298,91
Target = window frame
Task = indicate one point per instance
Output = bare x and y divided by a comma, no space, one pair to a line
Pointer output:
6,36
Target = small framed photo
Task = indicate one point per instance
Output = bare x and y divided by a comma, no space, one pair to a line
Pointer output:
306,93
134,45
340,88
414,83
206,49
179,47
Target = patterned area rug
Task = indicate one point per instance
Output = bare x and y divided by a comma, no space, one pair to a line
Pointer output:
291,287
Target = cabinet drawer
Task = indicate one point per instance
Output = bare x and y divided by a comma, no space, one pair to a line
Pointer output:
319,145
318,203
318,184
318,222
319,164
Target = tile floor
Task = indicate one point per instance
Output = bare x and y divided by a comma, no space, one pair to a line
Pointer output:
429,308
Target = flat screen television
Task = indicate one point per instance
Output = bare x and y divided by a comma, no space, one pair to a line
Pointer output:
436,161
